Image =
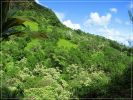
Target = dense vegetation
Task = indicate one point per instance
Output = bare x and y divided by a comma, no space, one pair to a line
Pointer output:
46,60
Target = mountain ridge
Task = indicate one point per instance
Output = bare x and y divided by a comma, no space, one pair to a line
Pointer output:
47,60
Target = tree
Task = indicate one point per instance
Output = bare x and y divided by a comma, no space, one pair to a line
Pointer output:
4,10
7,21
130,15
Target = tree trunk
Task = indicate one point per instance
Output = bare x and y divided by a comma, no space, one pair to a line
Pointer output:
5,5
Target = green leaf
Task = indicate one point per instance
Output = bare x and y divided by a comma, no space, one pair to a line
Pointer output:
12,22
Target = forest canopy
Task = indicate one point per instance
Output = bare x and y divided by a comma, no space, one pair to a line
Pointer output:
43,59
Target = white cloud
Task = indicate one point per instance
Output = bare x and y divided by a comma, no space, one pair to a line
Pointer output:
60,15
101,27
117,20
113,10
69,23
37,1
96,19
109,32
116,35
131,5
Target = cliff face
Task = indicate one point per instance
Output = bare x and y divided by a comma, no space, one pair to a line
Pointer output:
43,12
20,4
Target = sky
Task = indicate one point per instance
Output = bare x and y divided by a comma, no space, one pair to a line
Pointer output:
108,18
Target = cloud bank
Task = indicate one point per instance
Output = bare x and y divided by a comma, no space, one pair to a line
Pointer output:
101,26
67,22
114,10
97,20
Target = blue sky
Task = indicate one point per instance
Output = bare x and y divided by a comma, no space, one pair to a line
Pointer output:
108,18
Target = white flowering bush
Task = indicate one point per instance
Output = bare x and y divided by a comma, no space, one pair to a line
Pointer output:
50,86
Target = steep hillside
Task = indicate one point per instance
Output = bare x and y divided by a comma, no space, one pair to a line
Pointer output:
45,60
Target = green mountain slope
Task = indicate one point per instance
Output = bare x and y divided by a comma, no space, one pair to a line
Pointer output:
47,60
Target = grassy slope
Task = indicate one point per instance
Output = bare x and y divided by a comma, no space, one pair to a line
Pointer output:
66,44
54,62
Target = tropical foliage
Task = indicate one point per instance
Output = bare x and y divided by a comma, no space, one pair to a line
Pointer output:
49,61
